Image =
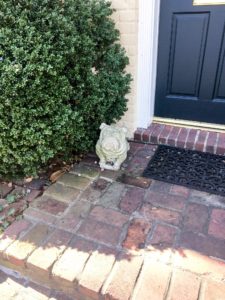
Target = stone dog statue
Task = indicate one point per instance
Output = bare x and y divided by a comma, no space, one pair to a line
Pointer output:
112,146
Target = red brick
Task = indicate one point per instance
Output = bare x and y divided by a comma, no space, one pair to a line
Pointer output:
38,215
138,134
163,236
13,232
204,244
181,141
100,232
146,135
136,235
70,265
184,286
50,205
180,191
211,142
5,189
108,216
132,200
213,290
68,222
158,128
198,263
124,275
165,200
155,213
18,252
196,217
42,259
200,143
161,187
164,134
173,136
134,147
221,144
153,281
217,224
191,139
139,181
96,271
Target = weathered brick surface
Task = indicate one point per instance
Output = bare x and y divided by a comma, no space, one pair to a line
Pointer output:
163,236
153,281
18,252
203,243
122,280
132,199
74,181
38,215
50,205
89,171
196,217
136,235
156,213
100,232
62,193
70,265
137,181
161,187
180,191
168,201
184,286
96,272
109,216
217,224
111,198
201,141
212,142
44,257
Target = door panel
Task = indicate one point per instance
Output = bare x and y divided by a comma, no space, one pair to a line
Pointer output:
192,48
191,62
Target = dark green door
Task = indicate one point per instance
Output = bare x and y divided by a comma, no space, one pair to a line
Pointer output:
191,62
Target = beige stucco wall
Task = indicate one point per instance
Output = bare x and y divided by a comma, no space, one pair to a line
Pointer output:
126,18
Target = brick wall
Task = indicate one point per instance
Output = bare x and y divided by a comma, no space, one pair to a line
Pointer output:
126,18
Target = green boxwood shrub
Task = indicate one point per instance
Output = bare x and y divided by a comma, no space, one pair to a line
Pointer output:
62,73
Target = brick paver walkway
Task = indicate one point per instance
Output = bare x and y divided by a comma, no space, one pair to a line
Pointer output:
115,235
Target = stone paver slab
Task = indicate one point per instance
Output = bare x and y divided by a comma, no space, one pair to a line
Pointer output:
112,196
88,171
50,205
62,193
74,181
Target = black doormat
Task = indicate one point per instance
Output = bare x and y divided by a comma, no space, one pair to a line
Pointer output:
193,169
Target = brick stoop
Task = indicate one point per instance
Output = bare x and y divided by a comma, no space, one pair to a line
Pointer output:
189,138
93,235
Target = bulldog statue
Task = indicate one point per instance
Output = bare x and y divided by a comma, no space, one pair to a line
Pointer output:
112,146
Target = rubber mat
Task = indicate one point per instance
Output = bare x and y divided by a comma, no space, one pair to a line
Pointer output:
193,169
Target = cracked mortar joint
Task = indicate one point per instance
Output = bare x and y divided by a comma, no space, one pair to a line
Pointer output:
112,146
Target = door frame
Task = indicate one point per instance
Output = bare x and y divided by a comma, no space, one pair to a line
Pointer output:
149,11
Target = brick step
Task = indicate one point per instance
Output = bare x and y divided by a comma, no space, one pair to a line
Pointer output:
84,272
188,138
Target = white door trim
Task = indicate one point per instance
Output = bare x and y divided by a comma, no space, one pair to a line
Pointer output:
147,60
